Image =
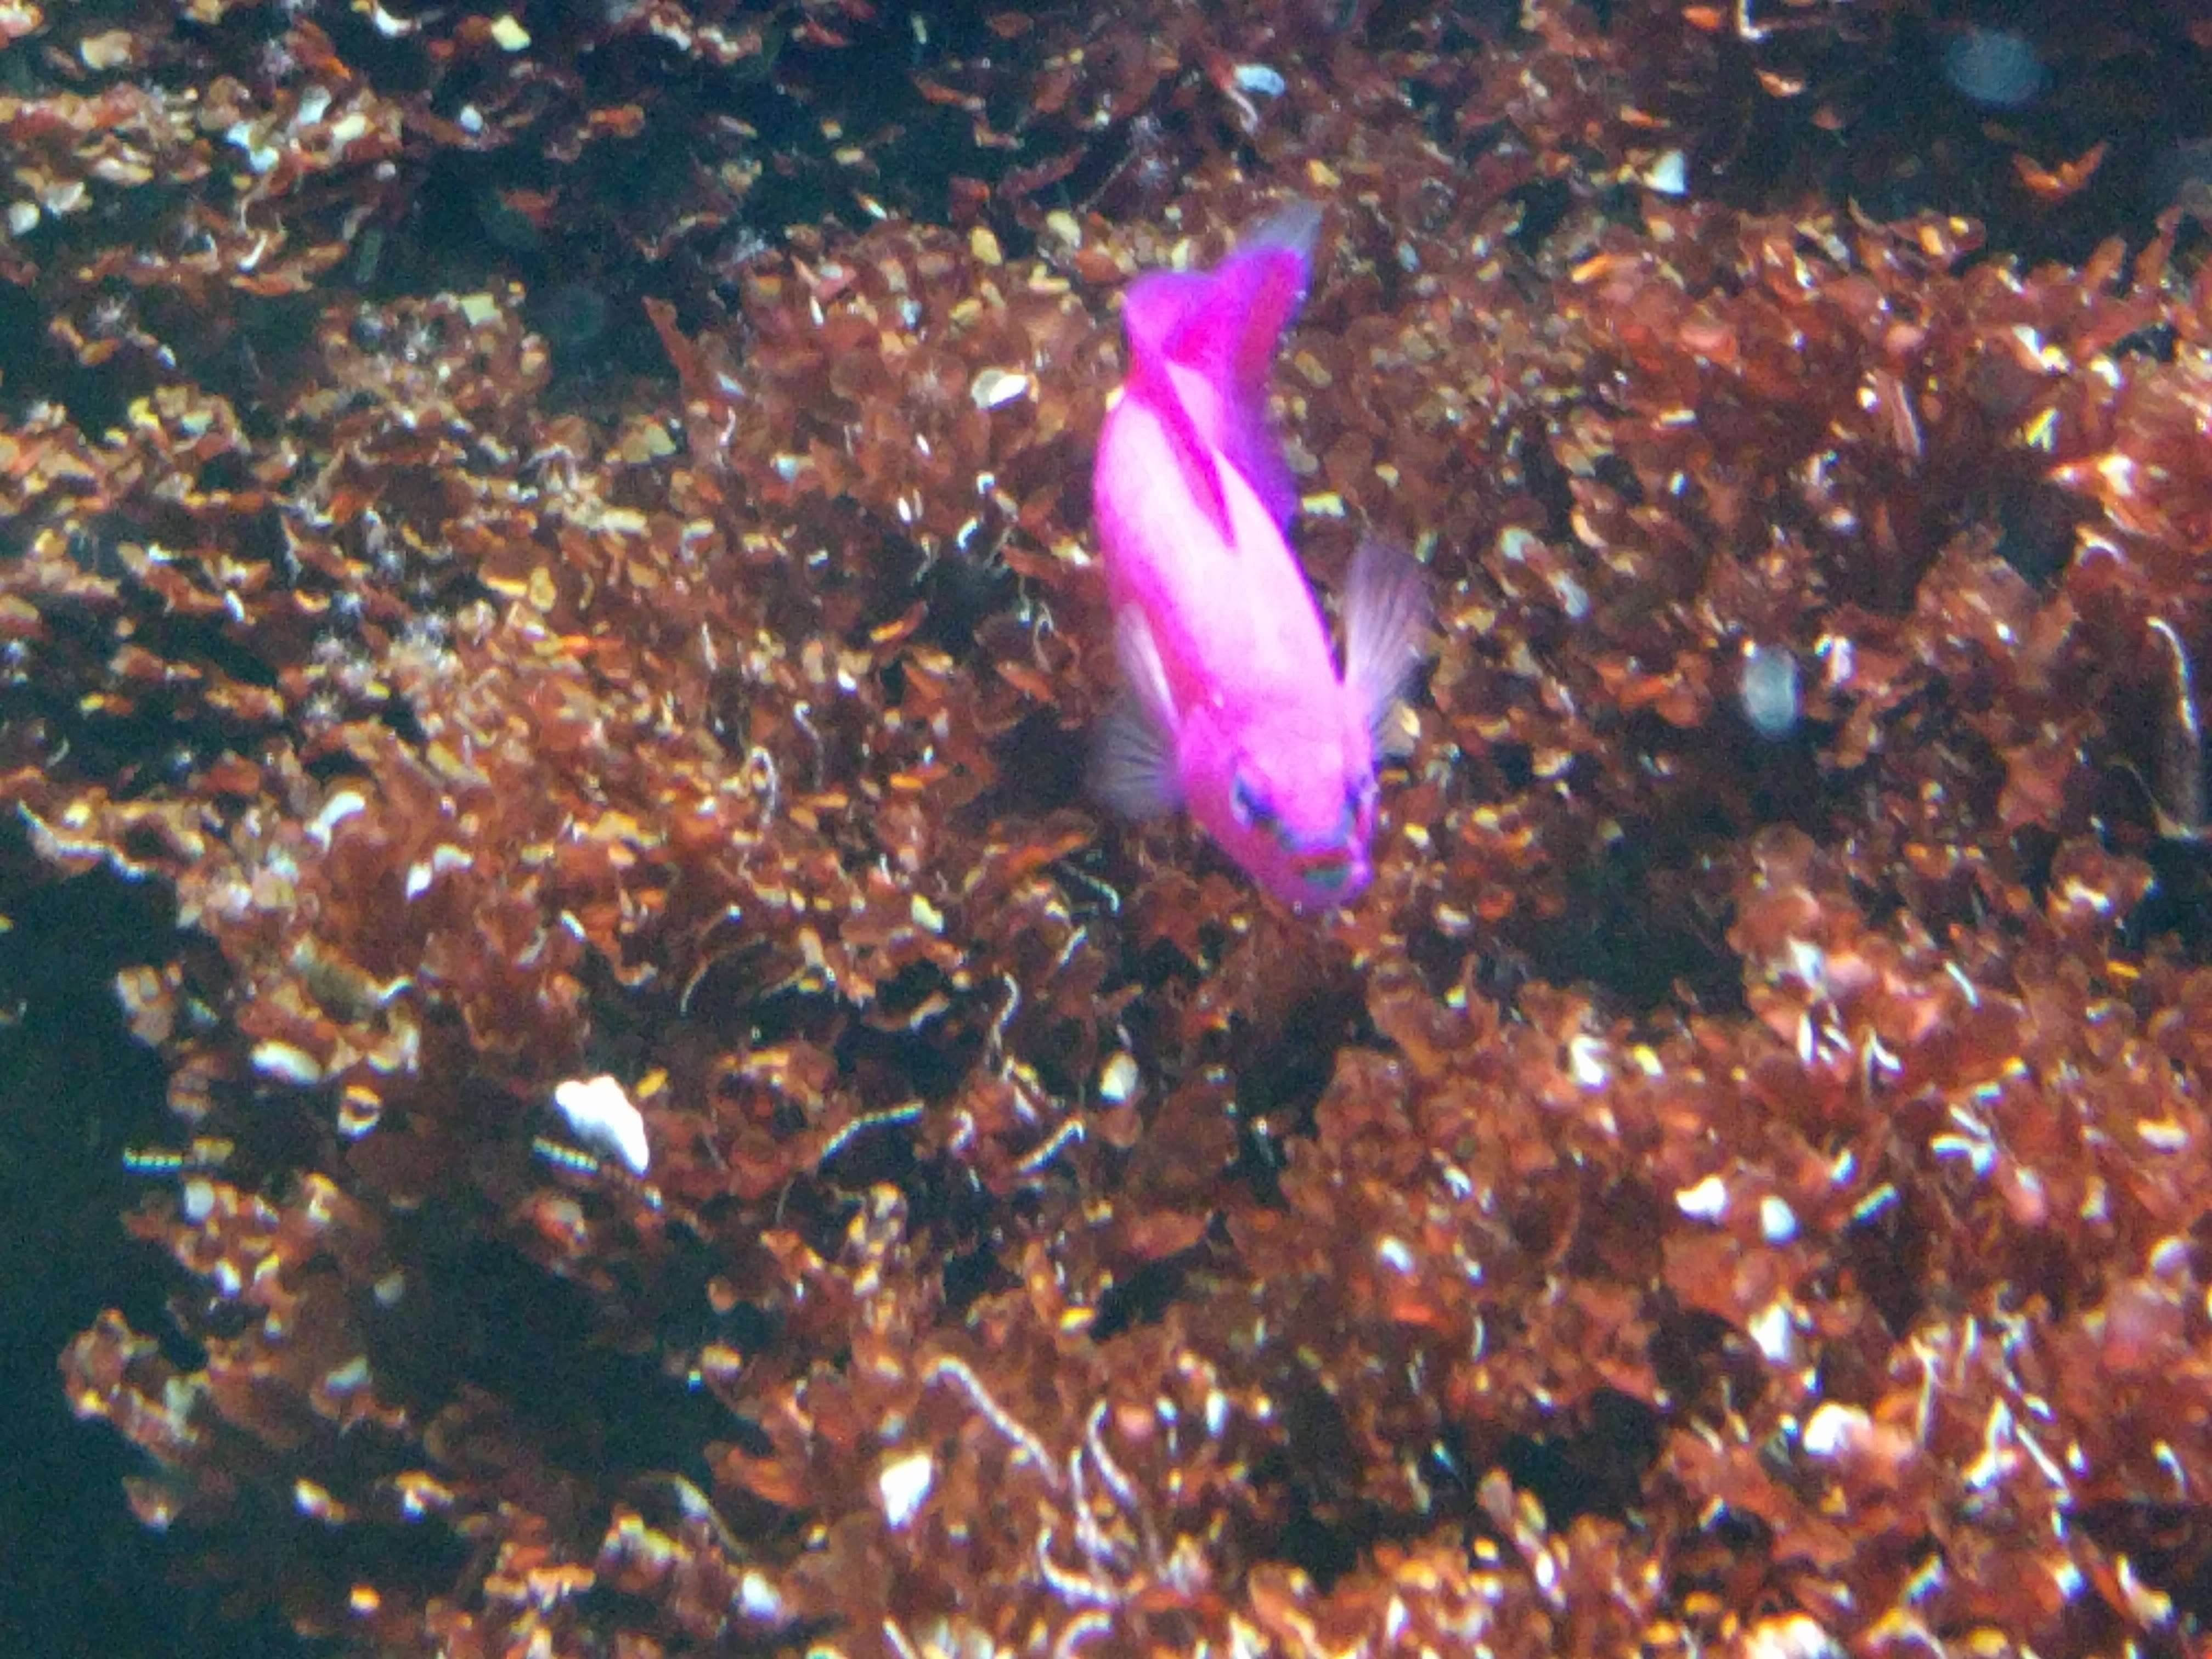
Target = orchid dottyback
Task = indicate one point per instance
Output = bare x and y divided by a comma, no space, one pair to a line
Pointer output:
1234,708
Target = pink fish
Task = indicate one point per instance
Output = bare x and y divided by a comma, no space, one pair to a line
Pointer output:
1234,708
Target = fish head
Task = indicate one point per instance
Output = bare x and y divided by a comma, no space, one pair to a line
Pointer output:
1290,798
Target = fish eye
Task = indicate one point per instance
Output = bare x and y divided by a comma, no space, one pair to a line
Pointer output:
1250,806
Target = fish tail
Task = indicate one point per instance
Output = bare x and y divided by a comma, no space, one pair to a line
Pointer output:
1204,342
1225,322
1230,337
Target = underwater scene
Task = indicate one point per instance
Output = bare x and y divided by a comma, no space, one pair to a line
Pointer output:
1269,828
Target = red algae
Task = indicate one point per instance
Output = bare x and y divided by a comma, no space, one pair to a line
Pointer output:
1737,1180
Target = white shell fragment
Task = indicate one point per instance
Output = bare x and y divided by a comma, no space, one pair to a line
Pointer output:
335,811
1769,1327
992,387
286,1062
1118,1077
1669,174
1706,1202
443,859
1832,1430
600,1114
902,1484
1792,1636
760,1599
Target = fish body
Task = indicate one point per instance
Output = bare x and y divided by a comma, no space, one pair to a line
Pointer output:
1234,706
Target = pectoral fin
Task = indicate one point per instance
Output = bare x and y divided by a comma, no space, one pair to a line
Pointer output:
1132,758
1133,763
1386,624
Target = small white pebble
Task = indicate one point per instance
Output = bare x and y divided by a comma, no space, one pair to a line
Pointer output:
444,858
348,1377
1586,1061
2163,1134
1706,1202
1776,1220
902,1484
1117,1078
1833,1430
1771,1330
335,811
288,1063
600,1114
762,1601
1669,175
993,388
1791,1637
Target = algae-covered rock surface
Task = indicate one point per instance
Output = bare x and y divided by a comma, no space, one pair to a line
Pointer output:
584,1076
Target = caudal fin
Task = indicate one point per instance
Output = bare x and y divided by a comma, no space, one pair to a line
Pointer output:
1229,334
